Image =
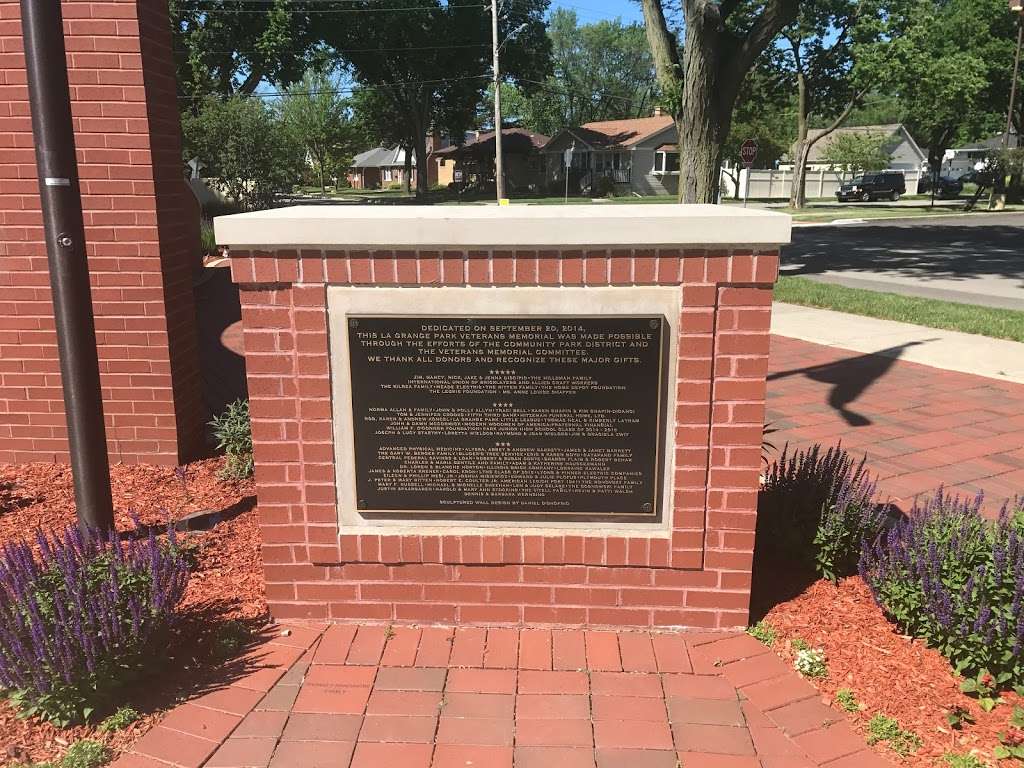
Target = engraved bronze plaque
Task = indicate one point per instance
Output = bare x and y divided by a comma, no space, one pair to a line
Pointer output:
497,418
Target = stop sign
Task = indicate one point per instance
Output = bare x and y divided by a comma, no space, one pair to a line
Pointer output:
748,152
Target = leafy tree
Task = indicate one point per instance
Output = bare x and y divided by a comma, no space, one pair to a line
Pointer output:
244,145
820,49
722,39
764,112
377,121
429,63
601,71
317,118
231,46
952,72
857,152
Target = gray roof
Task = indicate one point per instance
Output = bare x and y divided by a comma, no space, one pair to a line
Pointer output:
887,130
993,142
381,157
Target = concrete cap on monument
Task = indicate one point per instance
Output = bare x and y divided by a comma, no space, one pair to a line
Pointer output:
493,226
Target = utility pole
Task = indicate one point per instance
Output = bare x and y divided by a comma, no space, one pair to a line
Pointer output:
499,165
43,32
1015,5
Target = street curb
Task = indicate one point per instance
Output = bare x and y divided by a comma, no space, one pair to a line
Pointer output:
886,219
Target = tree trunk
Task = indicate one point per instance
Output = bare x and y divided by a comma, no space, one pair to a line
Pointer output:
702,89
406,171
422,164
700,125
798,193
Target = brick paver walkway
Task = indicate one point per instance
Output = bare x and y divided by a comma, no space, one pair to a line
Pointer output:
438,697
920,426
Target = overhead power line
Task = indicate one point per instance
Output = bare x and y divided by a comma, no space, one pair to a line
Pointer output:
347,10
347,50
340,91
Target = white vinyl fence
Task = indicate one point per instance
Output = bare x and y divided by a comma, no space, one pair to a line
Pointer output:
767,184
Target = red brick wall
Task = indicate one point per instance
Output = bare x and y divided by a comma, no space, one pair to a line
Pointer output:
698,578
142,235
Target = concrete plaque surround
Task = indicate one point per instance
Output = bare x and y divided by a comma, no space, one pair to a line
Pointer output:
524,302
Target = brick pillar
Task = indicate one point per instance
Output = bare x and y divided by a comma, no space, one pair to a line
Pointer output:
141,226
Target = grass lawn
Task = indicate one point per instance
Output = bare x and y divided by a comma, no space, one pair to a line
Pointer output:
948,315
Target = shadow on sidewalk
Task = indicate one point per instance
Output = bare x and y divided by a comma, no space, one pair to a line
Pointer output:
850,378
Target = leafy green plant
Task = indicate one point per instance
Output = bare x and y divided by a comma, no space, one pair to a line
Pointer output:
230,638
810,662
963,761
207,238
816,509
985,688
885,729
233,432
953,578
846,699
83,616
763,632
958,717
86,754
122,718
1011,741
799,644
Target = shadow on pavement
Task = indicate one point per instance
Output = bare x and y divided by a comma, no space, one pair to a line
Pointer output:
948,252
850,378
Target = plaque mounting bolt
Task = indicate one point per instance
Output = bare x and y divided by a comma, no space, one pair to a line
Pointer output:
353,323
655,323
647,506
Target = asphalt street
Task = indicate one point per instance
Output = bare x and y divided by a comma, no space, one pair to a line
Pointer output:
976,259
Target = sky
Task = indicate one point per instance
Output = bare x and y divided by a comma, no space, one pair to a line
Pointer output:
594,10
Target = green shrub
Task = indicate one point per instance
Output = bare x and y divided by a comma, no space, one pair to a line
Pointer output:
233,432
86,754
956,580
900,741
963,761
846,699
815,510
763,632
122,718
208,239
604,186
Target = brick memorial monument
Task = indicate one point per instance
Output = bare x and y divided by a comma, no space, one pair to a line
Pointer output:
535,414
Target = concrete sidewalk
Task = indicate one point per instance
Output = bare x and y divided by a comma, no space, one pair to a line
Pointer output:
949,350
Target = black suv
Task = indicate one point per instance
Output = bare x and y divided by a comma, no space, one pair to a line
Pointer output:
872,186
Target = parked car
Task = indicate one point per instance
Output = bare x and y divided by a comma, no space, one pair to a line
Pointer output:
981,178
944,187
873,186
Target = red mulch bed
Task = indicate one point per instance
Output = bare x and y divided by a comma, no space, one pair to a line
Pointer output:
887,672
226,585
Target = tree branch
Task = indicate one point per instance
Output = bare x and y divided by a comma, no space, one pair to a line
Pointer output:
664,48
726,7
776,15
837,123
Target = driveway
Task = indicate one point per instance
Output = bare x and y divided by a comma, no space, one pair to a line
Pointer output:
977,259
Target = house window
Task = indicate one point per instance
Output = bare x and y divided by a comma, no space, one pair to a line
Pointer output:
666,162
441,162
